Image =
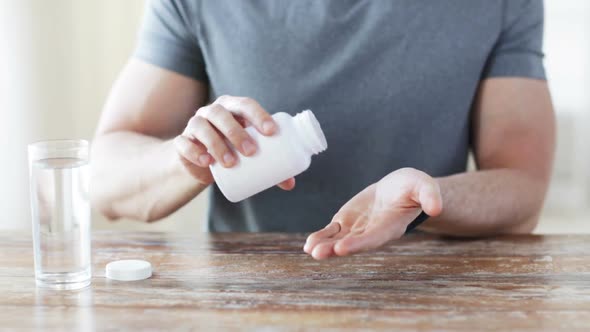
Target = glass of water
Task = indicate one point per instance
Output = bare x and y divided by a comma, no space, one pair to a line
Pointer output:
60,206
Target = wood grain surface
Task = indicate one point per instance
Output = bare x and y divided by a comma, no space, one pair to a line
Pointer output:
265,282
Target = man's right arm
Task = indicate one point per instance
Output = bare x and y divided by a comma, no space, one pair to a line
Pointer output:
137,172
156,140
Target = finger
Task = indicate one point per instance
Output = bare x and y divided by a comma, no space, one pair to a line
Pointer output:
313,239
356,208
229,127
193,151
353,244
347,215
288,184
243,122
425,192
201,130
380,232
430,197
323,250
251,111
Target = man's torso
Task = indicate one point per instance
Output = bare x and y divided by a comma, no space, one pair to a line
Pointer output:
391,82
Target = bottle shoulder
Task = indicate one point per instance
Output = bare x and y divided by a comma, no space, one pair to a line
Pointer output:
282,117
286,127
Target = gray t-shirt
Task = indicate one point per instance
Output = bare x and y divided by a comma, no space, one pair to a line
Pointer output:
391,82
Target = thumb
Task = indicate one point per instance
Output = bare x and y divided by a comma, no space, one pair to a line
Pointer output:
288,184
430,198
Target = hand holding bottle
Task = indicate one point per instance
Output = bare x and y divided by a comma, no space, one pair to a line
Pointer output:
209,133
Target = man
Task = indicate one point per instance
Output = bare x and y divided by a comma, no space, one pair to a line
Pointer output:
403,90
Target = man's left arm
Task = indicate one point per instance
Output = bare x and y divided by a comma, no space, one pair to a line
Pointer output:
513,141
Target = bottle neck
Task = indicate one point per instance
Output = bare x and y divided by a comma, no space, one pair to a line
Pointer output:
310,133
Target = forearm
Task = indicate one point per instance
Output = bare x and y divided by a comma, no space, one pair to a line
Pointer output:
139,177
488,202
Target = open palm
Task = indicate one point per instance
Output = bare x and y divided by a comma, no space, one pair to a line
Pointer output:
378,214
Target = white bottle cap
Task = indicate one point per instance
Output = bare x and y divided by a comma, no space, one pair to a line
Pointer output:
129,270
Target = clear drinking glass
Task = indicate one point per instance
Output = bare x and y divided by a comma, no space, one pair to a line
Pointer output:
60,208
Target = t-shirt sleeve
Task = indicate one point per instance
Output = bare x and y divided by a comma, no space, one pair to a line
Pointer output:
167,39
518,51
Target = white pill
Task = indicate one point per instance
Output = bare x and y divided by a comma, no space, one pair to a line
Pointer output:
129,270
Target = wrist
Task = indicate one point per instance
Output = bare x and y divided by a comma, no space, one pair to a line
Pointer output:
421,218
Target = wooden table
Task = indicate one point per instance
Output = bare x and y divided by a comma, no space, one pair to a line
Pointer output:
265,281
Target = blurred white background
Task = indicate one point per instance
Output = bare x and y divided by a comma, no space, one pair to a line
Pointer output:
60,57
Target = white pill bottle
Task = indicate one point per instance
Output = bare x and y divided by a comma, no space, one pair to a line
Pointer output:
279,157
